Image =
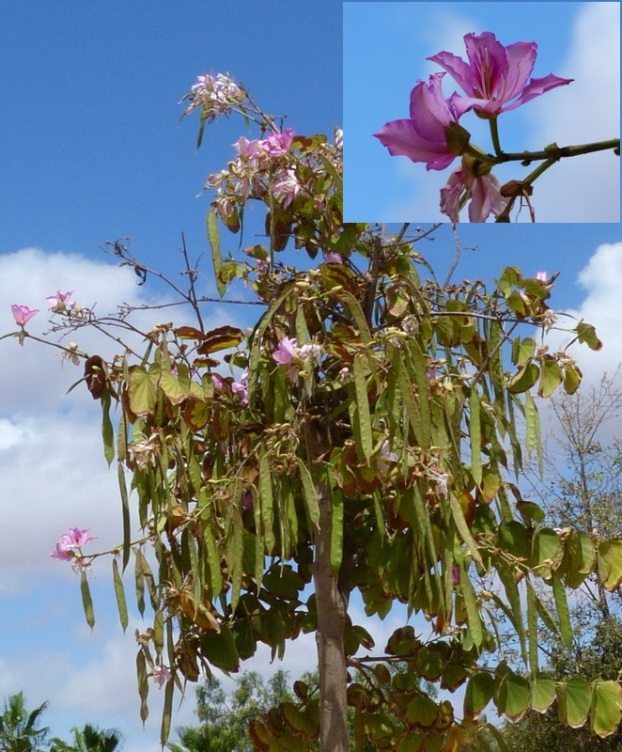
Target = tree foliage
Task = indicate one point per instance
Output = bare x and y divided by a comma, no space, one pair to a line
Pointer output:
370,448
19,728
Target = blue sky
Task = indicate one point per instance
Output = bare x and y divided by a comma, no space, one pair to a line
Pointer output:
93,150
385,49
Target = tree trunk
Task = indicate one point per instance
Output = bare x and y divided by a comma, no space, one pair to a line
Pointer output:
331,618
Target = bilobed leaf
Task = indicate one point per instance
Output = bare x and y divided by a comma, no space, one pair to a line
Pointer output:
542,692
362,413
587,334
479,691
547,552
579,558
550,376
221,338
143,389
524,378
606,708
610,563
176,388
513,696
214,240
575,699
119,594
87,602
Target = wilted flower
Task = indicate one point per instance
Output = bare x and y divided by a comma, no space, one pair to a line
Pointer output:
144,453
482,190
548,319
22,314
386,456
495,74
339,138
161,674
424,136
61,302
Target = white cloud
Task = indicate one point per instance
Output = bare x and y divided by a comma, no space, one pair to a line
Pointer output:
584,188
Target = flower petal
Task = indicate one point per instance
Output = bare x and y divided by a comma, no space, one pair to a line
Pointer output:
401,137
538,86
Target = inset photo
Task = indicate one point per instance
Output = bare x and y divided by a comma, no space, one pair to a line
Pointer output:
481,112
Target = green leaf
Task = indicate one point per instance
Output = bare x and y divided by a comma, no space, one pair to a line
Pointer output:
125,514
575,699
513,696
532,425
550,376
119,594
547,552
143,389
606,708
479,692
542,692
214,240
220,650
524,378
87,602
176,388
579,558
362,426
421,711
523,350
586,333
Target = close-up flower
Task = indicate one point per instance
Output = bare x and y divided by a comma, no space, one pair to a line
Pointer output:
286,186
423,137
495,78
22,314
71,542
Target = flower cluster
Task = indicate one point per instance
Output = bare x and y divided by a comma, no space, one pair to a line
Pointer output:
495,80
215,95
258,168
145,452
59,303
69,547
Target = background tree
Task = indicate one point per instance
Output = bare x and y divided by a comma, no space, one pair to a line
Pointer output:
19,729
224,721
89,738
583,491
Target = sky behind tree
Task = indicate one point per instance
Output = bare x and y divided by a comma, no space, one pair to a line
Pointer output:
94,150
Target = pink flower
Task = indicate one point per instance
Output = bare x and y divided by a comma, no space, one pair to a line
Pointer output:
22,314
246,148
423,137
495,75
333,258
287,350
71,542
241,387
61,302
482,190
286,186
542,276
278,144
